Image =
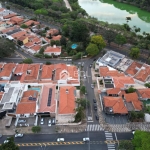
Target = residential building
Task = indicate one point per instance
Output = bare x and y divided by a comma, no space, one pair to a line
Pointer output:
34,49
48,101
114,92
10,15
132,102
144,94
52,32
24,39
61,74
106,71
31,23
16,20
56,38
114,105
67,105
6,71
55,50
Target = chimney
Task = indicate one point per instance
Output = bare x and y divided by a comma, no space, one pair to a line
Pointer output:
67,91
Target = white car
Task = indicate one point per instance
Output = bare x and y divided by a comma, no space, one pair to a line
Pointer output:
49,122
86,139
6,141
92,86
19,135
133,131
21,121
60,140
42,120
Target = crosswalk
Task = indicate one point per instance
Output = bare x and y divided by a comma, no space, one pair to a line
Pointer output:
93,127
109,136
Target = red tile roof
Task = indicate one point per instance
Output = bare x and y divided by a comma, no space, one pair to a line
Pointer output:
18,34
9,16
120,82
116,103
9,29
52,49
67,100
36,47
113,91
62,71
16,20
30,22
144,73
52,32
29,44
133,98
27,106
56,38
7,70
145,93
104,71
43,104
34,72
21,68
133,68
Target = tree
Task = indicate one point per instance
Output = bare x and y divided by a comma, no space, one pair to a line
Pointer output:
83,89
41,11
63,41
147,85
92,49
24,26
36,129
134,53
83,102
141,140
8,7
41,51
78,31
125,145
120,39
7,47
130,90
27,61
109,36
80,114
48,63
10,145
99,41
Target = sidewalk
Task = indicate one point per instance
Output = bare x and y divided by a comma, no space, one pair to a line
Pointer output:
68,5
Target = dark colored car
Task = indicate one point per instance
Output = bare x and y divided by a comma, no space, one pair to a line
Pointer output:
97,117
94,59
94,100
95,106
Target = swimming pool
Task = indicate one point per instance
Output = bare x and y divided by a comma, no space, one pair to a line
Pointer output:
35,88
74,46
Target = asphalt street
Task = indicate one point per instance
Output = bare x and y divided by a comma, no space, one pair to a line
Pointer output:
97,141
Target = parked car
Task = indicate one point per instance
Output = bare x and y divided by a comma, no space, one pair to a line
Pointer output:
60,140
6,141
53,121
92,86
19,135
94,100
97,117
86,139
42,120
95,106
94,59
90,65
133,131
1,135
21,121
82,64
49,122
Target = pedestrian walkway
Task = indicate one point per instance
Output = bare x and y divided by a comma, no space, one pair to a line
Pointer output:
93,127
109,136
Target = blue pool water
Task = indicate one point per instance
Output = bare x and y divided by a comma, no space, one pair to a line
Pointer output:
74,46
35,88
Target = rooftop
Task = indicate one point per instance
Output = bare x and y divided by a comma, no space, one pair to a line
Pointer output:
53,49
30,22
114,91
67,100
111,58
133,68
120,82
56,38
116,103
44,107
144,93
18,34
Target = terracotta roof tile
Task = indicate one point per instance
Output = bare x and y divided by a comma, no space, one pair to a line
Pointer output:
67,100
9,16
133,68
18,34
52,32
133,98
144,93
16,19
56,38
144,73
21,68
52,49
29,44
7,69
44,100
30,22
116,103
36,47
113,91
120,82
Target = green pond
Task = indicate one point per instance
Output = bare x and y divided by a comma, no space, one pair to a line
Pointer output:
114,12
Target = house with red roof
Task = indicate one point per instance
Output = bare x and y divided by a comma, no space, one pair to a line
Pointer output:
67,104
144,94
55,50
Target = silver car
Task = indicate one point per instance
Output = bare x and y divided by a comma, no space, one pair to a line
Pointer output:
19,135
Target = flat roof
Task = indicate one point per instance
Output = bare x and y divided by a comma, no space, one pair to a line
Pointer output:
111,85
8,106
